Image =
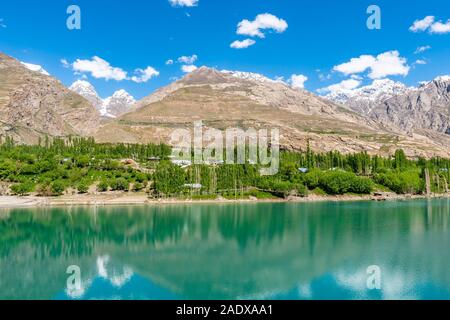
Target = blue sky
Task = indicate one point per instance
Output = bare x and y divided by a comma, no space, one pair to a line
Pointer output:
136,34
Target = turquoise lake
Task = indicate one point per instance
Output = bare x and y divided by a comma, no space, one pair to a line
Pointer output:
228,251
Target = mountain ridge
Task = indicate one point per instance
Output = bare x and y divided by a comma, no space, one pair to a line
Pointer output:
426,107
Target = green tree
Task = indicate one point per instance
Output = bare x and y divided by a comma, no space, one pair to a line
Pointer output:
58,187
138,186
169,178
22,189
103,186
83,187
119,184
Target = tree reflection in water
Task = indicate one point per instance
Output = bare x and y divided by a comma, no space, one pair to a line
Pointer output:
226,251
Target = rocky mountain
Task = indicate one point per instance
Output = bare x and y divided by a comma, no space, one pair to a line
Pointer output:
408,109
364,99
425,108
119,103
87,90
33,104
224,99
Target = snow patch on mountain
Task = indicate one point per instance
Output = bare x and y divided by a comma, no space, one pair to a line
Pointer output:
250,76
439,79
442,78
35,68
119,103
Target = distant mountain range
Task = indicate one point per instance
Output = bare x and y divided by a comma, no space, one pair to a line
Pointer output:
393,104
119,103
379,118
364,99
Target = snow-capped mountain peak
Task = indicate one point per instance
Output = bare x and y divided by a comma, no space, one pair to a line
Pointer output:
379,90
443,78
83,88
82,85
119,103
365,98
87,90
122,94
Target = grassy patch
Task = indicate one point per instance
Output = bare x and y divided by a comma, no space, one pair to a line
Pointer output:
319,192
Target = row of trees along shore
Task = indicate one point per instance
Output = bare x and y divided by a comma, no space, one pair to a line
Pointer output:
57,166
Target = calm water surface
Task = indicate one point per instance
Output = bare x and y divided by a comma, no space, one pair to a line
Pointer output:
256,251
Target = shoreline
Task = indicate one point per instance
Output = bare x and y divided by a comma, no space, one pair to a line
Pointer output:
122,199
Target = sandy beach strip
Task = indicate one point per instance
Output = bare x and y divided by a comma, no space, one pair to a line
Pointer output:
111,199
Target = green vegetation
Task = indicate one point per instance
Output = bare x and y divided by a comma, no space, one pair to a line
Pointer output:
83,186
22,189
103,186
55,167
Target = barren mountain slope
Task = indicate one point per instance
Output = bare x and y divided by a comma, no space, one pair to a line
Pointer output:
33,105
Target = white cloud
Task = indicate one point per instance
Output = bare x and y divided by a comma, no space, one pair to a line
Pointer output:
422,25
188,59
2,24
298,81
65,63
242,44
262,22
429,23
344,86
169,62
356,65
440,27
420,61
388,64
183,3
99,69
188,68
385,64
143,75
322,76
102,69
422,49
35,68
